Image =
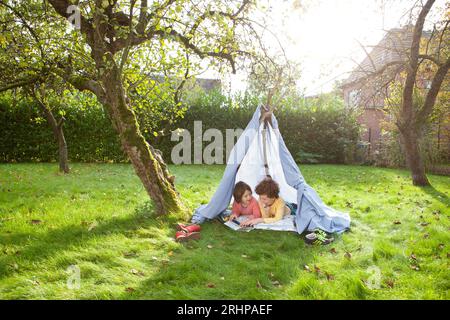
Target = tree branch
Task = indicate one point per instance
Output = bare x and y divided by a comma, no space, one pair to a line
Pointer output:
80,82
21,83
433,92
60,122
61,7
210,13
143,19
413,62
431,58
187,44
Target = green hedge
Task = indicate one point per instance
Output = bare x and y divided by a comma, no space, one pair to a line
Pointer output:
325,134
26,136
317,131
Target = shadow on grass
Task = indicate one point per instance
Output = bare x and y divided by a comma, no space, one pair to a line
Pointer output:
439,196
226,264
38,247
223,264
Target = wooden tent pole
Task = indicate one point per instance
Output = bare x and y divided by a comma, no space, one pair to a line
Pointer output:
266,116
264,136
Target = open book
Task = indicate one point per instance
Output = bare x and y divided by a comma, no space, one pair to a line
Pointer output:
235,224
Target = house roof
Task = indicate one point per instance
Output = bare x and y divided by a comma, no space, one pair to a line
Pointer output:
394,46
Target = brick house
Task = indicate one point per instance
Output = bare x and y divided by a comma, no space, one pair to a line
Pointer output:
365,88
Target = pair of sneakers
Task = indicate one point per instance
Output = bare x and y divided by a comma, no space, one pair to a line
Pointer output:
318,237
187,232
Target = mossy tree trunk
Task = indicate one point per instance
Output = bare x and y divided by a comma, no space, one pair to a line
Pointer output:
148,164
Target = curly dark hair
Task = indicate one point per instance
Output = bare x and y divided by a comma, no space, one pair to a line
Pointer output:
269,187
239,190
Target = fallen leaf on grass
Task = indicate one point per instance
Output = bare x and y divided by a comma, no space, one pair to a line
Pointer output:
330,277
390,283
333,250
414,267
276,283
165,261
92,225
348,255
129,254
14,266
441,246
36,221
34,282
258,284
129,289
397,222
137,272
211,285
307,268
413,256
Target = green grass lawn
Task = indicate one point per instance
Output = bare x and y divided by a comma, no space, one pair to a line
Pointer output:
98,220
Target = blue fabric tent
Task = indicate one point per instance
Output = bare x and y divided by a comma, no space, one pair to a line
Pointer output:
245,163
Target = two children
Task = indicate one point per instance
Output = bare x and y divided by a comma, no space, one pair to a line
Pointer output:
270,207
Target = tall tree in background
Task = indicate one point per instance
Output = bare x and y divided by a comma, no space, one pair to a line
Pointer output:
412,117
427,60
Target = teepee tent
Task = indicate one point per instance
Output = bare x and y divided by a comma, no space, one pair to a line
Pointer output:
260,151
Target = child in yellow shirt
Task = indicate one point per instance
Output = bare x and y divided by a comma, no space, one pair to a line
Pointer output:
272,207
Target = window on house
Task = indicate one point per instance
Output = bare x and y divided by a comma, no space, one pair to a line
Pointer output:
354,97
384,56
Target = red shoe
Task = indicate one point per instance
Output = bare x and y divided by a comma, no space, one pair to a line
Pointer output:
182,236
188,228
